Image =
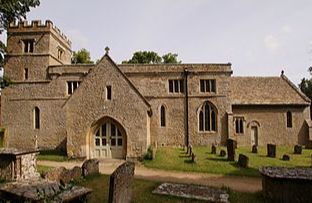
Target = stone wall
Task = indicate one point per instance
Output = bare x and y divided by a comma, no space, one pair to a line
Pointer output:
126,108
271,124
152,82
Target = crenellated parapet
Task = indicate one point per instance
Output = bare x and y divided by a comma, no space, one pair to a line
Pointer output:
38,26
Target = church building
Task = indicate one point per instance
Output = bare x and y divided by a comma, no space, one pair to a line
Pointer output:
108,110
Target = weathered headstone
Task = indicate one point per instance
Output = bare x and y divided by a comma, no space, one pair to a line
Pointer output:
285,157
193,160
90,167
298,149
190,150
63,175
222,153
230,146
213,149
243,160
271,150
120,190
254,149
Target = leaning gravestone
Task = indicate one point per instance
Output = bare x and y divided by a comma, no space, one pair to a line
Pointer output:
271,148
213,149
254,149
243,160
120,190
90,167
298,149
230,146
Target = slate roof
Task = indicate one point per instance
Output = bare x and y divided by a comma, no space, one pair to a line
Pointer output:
265,91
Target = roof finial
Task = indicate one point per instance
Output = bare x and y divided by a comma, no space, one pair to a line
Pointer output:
282,73
106,50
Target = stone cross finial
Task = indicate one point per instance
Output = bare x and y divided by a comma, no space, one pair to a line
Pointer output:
106,50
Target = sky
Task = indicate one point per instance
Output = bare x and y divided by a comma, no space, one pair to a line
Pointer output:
259,38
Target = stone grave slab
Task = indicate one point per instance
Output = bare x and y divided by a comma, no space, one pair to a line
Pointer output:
193,192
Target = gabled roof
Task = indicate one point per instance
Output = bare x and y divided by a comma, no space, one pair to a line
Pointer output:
265,91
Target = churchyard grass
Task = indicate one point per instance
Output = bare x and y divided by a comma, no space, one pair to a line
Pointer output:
43,169
142,192
169,158
52,156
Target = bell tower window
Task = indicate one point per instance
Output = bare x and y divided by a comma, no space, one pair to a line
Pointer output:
28,45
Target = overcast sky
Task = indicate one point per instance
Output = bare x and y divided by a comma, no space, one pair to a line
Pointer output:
259,38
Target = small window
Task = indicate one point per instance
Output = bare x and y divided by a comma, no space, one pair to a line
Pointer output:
26,73
72,86
162,116
207,86
176,86
108,92
37,118
28,45
60,53
239,125
289,119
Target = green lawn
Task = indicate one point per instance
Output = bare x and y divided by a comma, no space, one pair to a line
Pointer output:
52,156
142,192
169,158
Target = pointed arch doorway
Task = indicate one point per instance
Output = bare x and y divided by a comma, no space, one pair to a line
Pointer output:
108,140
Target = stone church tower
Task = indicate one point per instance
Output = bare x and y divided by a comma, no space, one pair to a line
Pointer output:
32,48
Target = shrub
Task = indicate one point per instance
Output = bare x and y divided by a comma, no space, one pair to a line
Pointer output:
149,154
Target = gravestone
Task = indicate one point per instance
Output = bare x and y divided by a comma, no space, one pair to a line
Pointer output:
230,146
213,149
298,149
243,160
285,157
222,153
193,158
90,167
271,150
190,150
120,184
254,149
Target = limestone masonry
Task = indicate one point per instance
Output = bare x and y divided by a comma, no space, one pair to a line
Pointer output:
107,110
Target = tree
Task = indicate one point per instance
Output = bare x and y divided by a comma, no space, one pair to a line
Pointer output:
151,57
170,58
81,56
306,87
10,11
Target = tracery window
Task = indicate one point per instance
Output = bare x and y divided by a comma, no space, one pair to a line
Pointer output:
207,118
239,125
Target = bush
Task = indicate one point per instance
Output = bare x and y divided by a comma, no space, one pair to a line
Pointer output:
149,154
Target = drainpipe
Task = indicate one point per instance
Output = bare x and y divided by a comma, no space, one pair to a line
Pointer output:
186,109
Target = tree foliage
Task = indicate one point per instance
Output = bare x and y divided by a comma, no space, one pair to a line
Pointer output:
82,56
151,57
170,58
12,10
306,85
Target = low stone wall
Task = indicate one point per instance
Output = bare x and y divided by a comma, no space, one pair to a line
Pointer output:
287,185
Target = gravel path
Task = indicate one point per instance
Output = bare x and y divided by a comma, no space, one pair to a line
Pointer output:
237,183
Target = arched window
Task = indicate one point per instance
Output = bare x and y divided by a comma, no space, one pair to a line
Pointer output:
36,118
207,118
162,116
289,119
